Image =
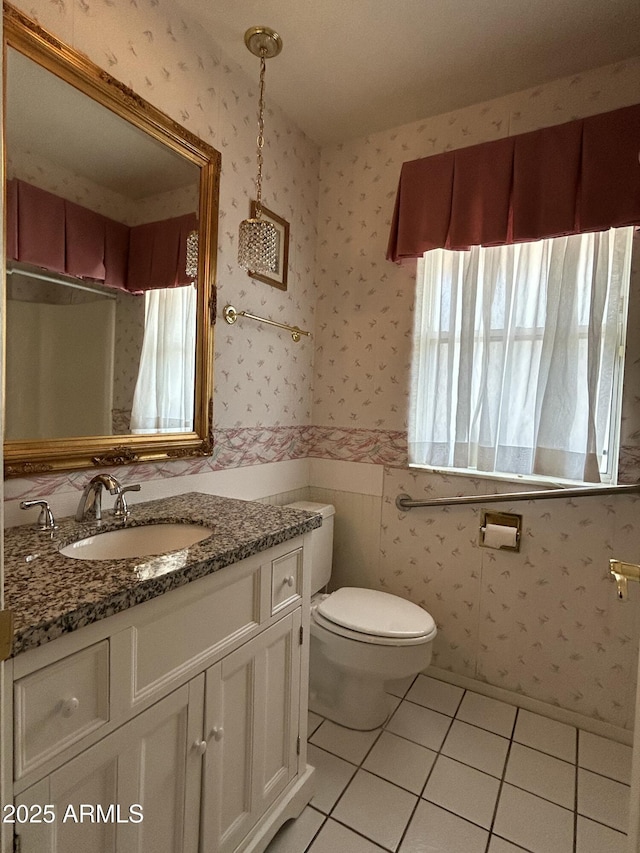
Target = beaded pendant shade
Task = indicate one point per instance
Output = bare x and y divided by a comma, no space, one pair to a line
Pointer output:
192,255
257,238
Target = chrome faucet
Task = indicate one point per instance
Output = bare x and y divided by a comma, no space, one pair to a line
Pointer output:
90,505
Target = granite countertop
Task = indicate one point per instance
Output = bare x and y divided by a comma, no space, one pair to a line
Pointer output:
51,594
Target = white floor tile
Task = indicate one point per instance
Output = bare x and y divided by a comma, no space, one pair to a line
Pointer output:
373,804
313,721
376,809
595,838
400,686
434,694
499,845
332,776
296,835
533,823
345,743
334,837
421,725
463,790
477,747
433,830
490,714
400,761
542,774
393,703
603,799
550,736
605,756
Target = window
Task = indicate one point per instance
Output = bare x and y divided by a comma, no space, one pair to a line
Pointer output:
518,357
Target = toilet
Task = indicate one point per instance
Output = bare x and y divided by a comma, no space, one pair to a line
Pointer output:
360,640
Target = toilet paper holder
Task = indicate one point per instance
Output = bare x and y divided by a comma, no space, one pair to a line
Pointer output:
505,520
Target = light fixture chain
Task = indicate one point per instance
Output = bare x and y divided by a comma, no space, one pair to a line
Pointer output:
258,237
260,140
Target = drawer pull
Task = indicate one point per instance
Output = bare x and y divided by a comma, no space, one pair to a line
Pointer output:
217,733
70,706
200,746
290,581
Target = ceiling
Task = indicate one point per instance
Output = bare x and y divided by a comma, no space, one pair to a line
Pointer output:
353,67
41,108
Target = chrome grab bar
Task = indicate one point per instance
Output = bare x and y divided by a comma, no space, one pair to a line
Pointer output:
405,502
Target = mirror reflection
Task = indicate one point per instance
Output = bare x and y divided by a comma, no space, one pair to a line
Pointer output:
101,268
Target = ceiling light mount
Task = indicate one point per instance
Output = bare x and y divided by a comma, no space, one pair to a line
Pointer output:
258,39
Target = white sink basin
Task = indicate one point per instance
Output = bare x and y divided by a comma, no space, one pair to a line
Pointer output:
146,540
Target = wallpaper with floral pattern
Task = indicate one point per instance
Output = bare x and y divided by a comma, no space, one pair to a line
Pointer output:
544,622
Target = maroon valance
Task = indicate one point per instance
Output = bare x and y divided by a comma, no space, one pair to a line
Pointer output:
158,253
48,231
580,176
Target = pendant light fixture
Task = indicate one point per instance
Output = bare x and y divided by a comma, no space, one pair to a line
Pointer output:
258,239
192,255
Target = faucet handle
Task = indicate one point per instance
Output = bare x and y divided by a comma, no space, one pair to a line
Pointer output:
45,521
120,508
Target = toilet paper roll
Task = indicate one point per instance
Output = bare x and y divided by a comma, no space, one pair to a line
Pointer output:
500,536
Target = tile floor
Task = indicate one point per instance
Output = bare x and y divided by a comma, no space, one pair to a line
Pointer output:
456,772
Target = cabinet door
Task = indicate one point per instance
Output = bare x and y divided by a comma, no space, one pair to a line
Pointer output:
275,756
150,762
251,726
162,766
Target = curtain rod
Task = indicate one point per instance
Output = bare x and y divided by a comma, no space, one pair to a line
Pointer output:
231,315
405,502
16,270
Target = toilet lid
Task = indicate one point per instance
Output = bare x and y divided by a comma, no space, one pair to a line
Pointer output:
377,613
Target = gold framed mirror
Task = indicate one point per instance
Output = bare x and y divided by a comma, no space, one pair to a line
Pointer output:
111,213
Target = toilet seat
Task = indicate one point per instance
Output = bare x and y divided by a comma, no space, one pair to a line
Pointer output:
370,616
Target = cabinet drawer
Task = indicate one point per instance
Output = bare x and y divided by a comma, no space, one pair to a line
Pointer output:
59,704
286,580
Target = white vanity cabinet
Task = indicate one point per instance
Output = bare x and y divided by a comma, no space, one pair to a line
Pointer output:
188,710
149,761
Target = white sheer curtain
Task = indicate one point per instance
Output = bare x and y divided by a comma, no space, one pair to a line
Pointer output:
516,355
164,395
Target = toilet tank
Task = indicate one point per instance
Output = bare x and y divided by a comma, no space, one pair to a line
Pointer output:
321,543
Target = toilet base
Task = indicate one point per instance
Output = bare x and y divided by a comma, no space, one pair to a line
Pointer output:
350,697
349,700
